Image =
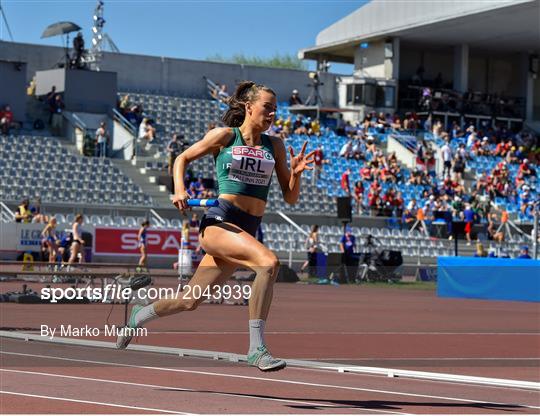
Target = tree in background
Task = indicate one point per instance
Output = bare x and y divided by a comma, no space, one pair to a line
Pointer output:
277,61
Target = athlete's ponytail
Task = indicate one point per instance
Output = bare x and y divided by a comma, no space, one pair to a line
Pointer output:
246,91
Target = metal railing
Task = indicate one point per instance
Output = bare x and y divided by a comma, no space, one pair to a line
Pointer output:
6,215
124,122
156,218
298,228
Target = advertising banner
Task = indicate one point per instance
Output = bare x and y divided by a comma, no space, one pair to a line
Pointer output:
124,242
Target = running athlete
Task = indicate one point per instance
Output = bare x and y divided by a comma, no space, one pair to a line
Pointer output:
245,161
142,244
49,239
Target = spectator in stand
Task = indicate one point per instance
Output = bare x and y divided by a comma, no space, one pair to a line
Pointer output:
358,196
457,206
416,176
77,245
174,148
124,105
446,155
408,217
525,200
399,204
345,184
49,100
23,213
471,138
386,175
437,128
198,186
315,127
421,155
147,132
388,202
484,149
370,145
493,234
456,130
6,120
412,206
50,240
526,170
366,172
192,190
428,124
429,208
347,245
298,126
396,124
35,209
134,114
480,250
222,94
287,126
57,118
430,163
295,99
524,253
459,167
375,202
319,161
380,123
511,156
468,216
346,149
101,140
503,147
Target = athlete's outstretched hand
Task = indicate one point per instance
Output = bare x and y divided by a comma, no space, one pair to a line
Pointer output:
301,162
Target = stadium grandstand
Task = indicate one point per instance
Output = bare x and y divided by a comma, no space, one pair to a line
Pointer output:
436,127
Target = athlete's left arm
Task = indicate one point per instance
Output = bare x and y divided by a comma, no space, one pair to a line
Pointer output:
289,180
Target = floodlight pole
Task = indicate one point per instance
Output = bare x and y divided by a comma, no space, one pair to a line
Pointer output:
99,38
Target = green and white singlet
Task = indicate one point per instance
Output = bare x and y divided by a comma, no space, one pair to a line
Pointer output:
245,170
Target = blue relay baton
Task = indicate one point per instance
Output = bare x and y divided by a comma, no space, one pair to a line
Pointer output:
202,202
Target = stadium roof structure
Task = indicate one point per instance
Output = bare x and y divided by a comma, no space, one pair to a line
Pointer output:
490,25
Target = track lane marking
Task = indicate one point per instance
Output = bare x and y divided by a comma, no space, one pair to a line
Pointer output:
176,332
177,370
235,395
92,402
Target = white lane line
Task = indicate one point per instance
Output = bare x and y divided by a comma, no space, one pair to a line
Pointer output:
155,386
283,381
427,359
91,402
536,334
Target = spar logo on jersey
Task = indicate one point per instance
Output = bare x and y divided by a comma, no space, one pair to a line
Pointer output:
251,165
251,152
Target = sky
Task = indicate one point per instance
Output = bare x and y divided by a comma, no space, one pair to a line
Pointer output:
186,29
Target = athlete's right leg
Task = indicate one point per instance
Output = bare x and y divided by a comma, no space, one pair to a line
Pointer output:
211,271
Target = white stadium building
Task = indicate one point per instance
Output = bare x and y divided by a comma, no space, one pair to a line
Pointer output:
488,48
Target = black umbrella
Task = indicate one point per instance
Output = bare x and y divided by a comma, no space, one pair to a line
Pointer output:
60,28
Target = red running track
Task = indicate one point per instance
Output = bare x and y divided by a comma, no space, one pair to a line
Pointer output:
362,325
92,380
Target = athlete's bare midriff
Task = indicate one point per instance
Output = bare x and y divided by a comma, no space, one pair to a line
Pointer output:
249,204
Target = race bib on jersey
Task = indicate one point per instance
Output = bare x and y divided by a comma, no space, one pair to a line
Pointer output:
251,166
